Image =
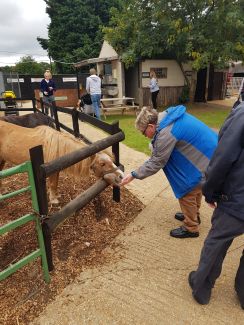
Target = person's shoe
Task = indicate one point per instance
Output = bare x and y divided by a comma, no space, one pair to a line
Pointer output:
205,294
180,216
190,280
182,232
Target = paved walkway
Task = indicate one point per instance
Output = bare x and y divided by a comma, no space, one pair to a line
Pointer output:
147,284
147,281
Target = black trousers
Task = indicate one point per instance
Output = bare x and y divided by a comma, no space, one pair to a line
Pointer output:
154,95
224,229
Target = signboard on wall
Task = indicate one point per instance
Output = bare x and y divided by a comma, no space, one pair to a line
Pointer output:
36,79
69,79
145,74
11,80
188,73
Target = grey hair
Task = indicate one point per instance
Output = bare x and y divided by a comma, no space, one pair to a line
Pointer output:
146,116
93,71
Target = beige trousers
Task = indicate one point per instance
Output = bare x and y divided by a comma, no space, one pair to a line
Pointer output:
190,205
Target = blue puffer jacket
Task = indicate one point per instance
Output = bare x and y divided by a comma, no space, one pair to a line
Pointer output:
183,147
189,159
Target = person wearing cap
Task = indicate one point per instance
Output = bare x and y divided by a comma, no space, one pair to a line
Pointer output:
93,87
182,146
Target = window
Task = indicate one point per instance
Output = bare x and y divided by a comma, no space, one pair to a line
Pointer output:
160,72
108,69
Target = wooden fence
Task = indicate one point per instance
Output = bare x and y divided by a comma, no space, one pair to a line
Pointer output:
167,96
43,170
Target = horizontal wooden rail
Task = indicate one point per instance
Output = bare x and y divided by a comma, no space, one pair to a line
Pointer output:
79,202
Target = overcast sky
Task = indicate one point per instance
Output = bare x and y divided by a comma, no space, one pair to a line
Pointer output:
21,21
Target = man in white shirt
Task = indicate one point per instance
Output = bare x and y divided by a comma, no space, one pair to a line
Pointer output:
93,87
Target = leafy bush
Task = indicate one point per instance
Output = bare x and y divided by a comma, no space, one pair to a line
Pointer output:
184,98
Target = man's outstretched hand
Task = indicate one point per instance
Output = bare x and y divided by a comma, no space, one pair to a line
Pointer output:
126,180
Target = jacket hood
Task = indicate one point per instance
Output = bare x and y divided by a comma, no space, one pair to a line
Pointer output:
94,76
172,114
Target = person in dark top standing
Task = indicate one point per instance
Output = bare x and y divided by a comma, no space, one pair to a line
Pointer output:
48,89
224,192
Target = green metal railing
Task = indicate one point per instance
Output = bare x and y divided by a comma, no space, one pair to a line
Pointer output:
25,167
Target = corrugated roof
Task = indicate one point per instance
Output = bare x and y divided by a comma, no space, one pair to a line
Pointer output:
95,60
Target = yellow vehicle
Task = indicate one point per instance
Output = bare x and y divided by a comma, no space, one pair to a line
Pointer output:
10,102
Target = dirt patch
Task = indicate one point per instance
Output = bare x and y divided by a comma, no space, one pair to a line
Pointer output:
77,244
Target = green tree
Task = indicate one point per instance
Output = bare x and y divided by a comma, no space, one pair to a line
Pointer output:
28,65
74,33
204,31
6,68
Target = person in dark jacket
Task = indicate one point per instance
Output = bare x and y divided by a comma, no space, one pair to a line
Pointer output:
182,146
48,89
223,191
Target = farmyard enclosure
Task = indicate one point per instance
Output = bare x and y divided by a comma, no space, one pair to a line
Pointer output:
78,243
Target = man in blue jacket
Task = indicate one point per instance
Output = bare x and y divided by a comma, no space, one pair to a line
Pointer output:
182,146
223,191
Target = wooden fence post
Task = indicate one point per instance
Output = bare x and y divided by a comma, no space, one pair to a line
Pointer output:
34,104
75,121
36,155
115,150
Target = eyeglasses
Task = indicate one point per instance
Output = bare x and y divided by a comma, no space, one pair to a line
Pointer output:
145,130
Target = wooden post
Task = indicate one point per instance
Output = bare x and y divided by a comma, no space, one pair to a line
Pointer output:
76,204
34,104
115,150
47,236
75,121
36,155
